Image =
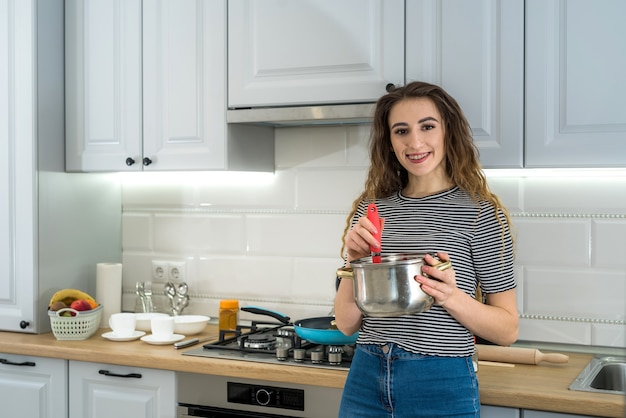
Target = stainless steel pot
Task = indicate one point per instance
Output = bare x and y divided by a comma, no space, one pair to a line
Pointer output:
388,288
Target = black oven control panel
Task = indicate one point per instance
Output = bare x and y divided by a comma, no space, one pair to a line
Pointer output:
270,396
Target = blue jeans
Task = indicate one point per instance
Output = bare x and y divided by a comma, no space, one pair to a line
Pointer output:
386,381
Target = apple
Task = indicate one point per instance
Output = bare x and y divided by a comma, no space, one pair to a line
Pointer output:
80,305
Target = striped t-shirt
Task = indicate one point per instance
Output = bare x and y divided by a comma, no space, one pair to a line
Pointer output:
469,232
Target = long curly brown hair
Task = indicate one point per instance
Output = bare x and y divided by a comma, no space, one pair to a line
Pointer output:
387,176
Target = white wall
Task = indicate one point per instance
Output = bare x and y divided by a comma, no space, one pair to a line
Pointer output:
277,245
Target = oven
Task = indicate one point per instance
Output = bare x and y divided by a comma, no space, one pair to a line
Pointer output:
202,395
218,396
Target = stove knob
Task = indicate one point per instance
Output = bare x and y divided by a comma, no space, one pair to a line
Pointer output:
263,396
334,358
335,355
282,353
299,354
317,356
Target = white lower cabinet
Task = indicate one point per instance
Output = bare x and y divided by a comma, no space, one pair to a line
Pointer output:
99,390
488,411
33,387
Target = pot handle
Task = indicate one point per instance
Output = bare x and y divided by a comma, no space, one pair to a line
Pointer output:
345,273
261,311
445,265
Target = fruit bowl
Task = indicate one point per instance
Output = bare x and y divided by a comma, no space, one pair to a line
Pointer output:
78,327
190,324
143,320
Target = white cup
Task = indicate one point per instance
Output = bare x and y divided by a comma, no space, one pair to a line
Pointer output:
123,324
162,328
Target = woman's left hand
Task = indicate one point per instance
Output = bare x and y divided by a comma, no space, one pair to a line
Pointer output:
441,285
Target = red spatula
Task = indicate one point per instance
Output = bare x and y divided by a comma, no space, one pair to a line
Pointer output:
372,215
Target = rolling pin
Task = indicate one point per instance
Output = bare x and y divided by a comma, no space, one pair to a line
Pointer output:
517,355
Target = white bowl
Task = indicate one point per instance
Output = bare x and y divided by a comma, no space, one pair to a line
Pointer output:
190,324
143,320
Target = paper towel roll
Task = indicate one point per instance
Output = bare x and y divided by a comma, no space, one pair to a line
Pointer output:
109,290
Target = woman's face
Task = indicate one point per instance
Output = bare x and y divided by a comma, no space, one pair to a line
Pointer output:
417,138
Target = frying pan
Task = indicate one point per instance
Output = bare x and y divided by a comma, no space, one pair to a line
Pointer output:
320,331
315,330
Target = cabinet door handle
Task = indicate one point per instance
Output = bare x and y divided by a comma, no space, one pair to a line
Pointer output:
108,373
147,161
10,363
130,161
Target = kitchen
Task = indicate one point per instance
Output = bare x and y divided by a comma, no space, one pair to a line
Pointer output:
273,239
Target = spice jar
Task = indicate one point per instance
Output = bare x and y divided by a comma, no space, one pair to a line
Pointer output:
229,314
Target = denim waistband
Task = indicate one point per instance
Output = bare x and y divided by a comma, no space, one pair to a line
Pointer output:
394,351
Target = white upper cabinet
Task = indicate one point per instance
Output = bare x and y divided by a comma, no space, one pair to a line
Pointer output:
575,89
313,51
475,50
103,84
184,91
146,87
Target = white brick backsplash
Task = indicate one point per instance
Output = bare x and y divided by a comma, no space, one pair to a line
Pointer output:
277,244
553,241
245,277
310,147
588,293
608,335
137,231
185,233
296,235
509,190
608,238
575,195
280,193
550,331
155,194
315,278
358,151
329,189
519,291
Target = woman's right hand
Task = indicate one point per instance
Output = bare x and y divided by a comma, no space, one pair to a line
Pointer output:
361,236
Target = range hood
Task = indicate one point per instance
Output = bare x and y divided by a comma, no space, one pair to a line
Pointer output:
338,114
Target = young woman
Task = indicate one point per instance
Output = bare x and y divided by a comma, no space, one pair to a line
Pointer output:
432,197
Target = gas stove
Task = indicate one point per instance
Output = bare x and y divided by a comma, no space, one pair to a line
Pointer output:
275,343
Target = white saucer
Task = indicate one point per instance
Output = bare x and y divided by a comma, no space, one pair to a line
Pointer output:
151,340
111,336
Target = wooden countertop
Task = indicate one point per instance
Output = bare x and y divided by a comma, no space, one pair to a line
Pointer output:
541,387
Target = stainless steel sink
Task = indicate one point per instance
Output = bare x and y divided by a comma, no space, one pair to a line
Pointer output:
603,374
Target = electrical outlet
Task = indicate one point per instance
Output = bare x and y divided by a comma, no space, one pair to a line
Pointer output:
160,270
177,271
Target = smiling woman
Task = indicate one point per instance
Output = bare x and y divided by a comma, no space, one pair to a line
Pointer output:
433,198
